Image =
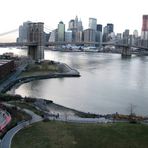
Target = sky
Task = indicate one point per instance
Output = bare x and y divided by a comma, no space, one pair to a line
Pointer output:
124,14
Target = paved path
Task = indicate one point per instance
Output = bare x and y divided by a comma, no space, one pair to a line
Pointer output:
6,141
13,77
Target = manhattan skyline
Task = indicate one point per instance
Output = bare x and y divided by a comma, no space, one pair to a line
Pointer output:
123,14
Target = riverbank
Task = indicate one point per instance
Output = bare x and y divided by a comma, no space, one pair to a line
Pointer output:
44,70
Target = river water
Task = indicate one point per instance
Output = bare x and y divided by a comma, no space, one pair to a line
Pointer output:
108,83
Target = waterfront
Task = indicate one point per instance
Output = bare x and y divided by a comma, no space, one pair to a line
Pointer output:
108,83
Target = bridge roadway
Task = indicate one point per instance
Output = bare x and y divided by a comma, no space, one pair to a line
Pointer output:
15,44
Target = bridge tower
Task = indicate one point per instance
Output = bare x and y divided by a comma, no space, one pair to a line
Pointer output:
126,52
36,40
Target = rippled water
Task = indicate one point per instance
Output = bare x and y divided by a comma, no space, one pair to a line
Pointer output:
108,83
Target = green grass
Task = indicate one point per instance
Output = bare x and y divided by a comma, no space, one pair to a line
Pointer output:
63,135
42,69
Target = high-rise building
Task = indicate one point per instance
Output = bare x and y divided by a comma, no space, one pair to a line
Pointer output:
89,35
99,27
76,22
99,37
53,36
110,28
68,36
93,23
71,25
75,25
135,33
80,26
79,36
126,36
23,29
61,31
145,23
144,33
126,33
105,34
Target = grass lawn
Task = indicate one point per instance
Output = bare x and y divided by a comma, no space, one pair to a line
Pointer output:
40,69
65,135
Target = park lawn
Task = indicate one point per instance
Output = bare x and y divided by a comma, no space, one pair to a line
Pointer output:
54,134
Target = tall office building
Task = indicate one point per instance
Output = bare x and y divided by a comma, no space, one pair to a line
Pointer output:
89,35
79,36
144,33
126,33
80,26
53,36
126,36
145,23
71,25
68,36
75,25
76,22
93,23
99,27
135,33
61,31
23,29
110,28
105,34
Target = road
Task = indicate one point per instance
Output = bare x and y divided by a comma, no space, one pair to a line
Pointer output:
13,77
6,141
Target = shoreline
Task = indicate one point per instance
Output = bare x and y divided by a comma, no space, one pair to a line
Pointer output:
21,80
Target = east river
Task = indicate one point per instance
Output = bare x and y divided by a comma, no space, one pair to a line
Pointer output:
108,83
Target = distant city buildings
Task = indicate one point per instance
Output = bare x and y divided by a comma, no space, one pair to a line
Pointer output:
61,32
68,36
53,36
89,35
144,32
99,27
92,23
94,33
23,32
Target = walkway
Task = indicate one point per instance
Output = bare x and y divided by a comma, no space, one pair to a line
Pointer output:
12,78
6,141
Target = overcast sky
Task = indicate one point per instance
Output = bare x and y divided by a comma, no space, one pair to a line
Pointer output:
124,14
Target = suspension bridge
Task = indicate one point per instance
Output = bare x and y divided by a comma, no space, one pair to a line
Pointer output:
35,42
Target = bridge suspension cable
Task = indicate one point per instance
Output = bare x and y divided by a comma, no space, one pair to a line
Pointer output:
8,32
47,28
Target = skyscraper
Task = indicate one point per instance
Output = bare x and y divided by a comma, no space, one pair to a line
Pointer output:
93,23
53,36
71,25
99,27
68,36
76,22
23,32
145,23
89,35
110,28
144,33
75,25
80,26
61,31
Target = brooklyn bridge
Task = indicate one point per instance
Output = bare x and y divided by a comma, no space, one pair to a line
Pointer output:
35,42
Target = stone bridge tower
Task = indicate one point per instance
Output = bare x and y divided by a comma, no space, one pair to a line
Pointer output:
36,41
